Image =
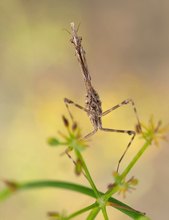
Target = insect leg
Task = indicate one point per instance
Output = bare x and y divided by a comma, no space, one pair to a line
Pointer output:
70,102
125,102
130,132
90,134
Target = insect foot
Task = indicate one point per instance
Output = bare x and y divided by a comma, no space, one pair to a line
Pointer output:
67,101
131,132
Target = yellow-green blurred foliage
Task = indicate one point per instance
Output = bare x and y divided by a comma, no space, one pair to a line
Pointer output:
127,51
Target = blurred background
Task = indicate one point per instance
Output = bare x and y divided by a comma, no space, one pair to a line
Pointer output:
127,47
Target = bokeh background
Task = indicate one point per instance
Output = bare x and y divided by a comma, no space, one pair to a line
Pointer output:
127,45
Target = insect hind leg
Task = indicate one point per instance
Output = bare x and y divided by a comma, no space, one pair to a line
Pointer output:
126,102
129,132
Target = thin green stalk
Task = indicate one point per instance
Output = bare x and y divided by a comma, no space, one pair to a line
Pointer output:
115,189
135,159
110,192
7,192
81,211
104,211
93,213
89,178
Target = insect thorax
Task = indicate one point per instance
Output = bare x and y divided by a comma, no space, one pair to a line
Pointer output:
93,105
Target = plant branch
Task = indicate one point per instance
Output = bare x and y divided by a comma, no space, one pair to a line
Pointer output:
121,177
88,176
81,211
7,192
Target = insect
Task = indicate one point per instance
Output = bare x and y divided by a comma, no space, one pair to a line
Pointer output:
93,106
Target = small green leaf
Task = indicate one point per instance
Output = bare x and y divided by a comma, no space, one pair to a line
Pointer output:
53,141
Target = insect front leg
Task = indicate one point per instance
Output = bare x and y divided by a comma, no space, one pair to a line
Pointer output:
70,102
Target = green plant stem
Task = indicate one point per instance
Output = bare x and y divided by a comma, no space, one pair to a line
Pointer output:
87,173
81,211
104,211
7,192
135,159
110,192
93,213
115,189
